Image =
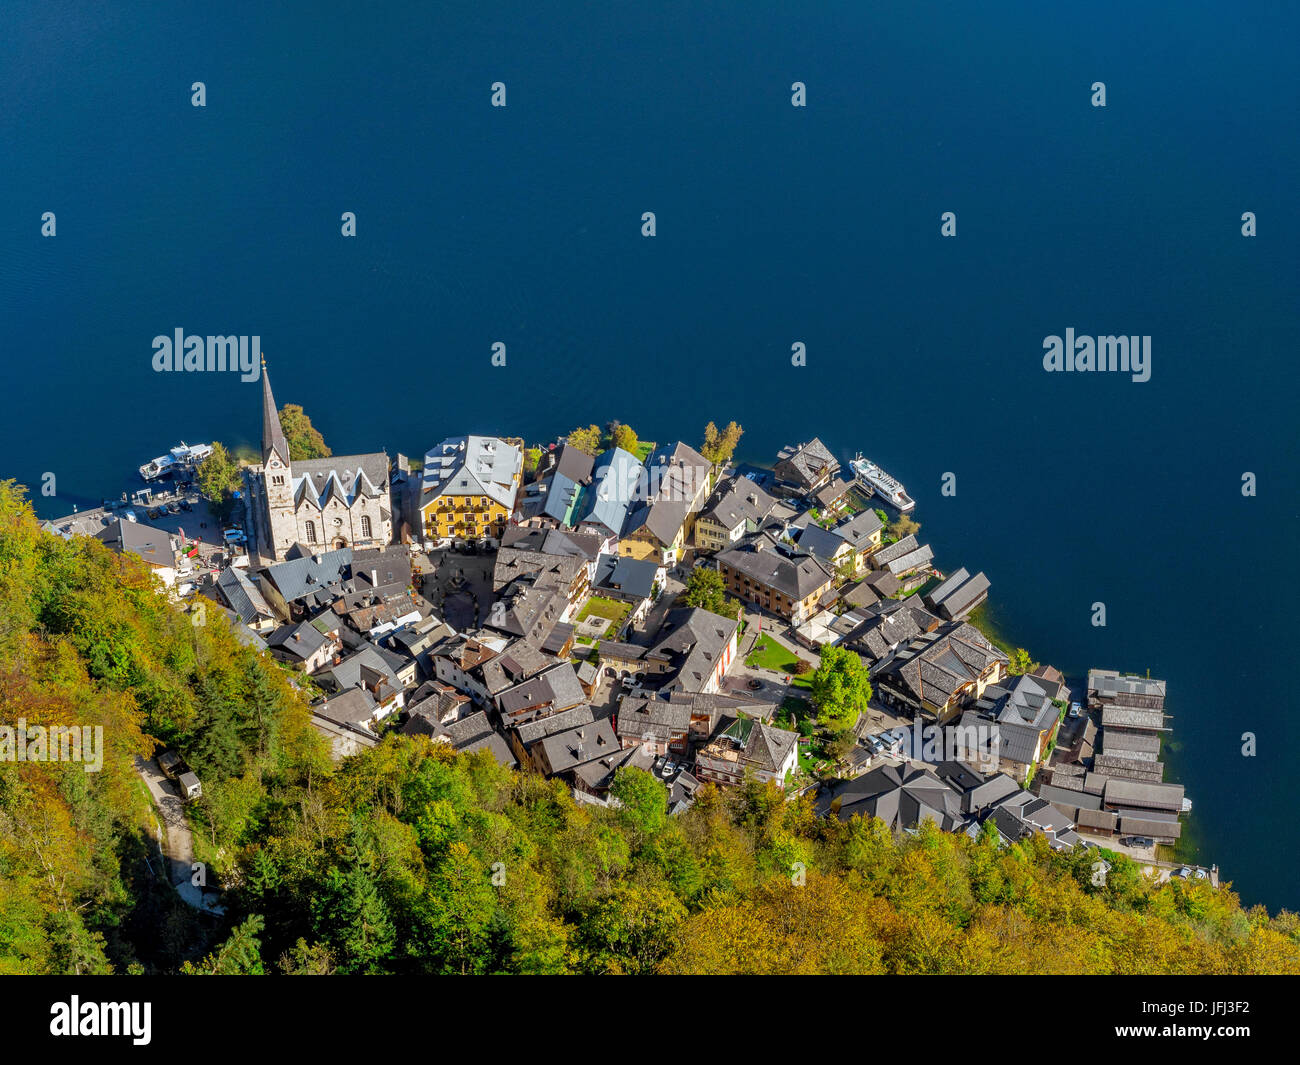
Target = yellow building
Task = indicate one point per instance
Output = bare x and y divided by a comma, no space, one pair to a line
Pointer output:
468,488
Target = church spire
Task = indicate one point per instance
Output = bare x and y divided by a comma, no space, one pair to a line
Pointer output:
272,435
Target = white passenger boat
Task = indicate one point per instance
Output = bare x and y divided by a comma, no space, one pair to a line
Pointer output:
180,459
890,490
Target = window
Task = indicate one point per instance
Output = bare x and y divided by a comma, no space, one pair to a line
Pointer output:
278,479
365,526
311,532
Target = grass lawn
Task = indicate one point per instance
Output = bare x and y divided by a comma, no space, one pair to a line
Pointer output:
768,654
611,609
643,449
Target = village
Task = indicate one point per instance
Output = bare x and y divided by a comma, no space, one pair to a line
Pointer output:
545,604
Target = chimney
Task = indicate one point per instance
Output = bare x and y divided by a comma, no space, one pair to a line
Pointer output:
374,577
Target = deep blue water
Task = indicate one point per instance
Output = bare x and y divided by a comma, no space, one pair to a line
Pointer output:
775,225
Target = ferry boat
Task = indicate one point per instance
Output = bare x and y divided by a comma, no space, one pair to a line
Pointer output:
890,490
182,458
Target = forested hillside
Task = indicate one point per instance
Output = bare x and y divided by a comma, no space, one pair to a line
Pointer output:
411,859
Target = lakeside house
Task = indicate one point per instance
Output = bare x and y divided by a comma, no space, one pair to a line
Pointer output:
803,469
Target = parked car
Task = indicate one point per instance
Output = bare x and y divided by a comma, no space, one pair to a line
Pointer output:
235,536
171,764
173,507
669,769
1138,841
1075,710
186,505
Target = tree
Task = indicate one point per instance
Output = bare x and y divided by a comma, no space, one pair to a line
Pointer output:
218,479
841,744
704,589
841,689
305,441
239,955
644,799
1021,662
718,447
904,526
623,436
532,457
586,440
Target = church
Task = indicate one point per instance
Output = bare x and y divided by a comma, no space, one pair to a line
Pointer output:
321,504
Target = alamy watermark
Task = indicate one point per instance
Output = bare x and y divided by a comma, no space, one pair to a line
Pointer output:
1131,354
53,743
215,354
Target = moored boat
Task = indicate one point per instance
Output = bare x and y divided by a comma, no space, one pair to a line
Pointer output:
886,487
182,458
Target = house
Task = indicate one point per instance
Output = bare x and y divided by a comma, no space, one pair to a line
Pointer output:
660,523
863,533
555,501
245,599
529,611
699,645
1022,815
369,667
886,626
681,795
418,641
830,550
747,746
938,672
630,580
455,662
326,503
738,509
553,690
663,727
958,595
617,480
826,628
469,488
596,776
304,583
1014,722
525,735
833,497
846,548
465,735
154,547
514,664
955,797
1105,686
770,575
306,645
804,469
353,708
561,752
903,796
903,557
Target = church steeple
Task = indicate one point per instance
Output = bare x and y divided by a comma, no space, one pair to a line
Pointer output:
272,435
